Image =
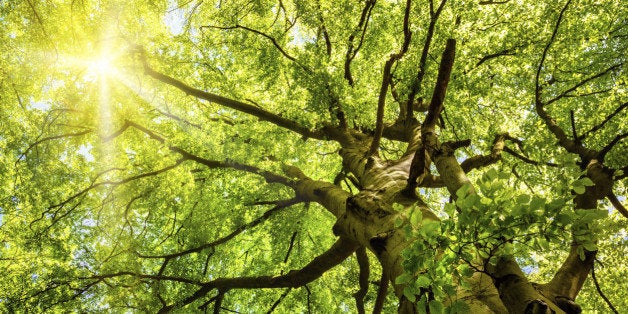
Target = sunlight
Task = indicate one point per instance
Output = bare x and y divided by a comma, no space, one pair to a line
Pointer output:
101,66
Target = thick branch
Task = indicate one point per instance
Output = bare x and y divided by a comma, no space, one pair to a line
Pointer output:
440,90
420,159
387,76
363,263
416,84
384,282
295,278
362,26
485,160
235,104
570,277
617,204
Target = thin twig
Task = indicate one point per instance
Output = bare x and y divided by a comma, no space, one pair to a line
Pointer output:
599,290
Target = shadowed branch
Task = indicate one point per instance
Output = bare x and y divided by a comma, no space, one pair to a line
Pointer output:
295,278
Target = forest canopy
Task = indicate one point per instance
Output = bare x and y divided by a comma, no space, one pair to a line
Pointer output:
295,156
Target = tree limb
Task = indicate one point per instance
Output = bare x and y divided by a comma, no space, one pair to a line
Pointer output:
485,160
610,145
272,39
617,204
416,84
440,88
545,51
56,137
381,292
493,2
599,290
421,157
362,26
363,263
265,216
387,76
324,30
526,159
579,84
563,140
505,52
235,104
296,278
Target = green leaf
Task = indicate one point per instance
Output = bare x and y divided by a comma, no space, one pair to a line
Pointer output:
430,228
398,222
403,279
422,281
537,203
522,199
465,270
468,202
598,213
564,218
590,246
416,216
581,254
458,307
397,207
463,191
579,189
586,181
436,307
408,292
491,174
450,209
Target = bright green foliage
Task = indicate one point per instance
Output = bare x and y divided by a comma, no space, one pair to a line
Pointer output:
93,210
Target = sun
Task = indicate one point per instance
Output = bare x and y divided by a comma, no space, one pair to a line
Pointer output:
100,66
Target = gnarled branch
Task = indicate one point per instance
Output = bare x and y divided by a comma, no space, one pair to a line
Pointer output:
296,278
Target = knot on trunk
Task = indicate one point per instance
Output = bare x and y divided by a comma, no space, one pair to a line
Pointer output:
568,305
378,242
538,307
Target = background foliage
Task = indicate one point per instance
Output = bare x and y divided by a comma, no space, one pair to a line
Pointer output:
76,201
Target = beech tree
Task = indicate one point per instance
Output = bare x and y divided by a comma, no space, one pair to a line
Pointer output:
313,156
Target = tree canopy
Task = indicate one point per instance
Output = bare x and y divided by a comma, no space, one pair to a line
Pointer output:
259,156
